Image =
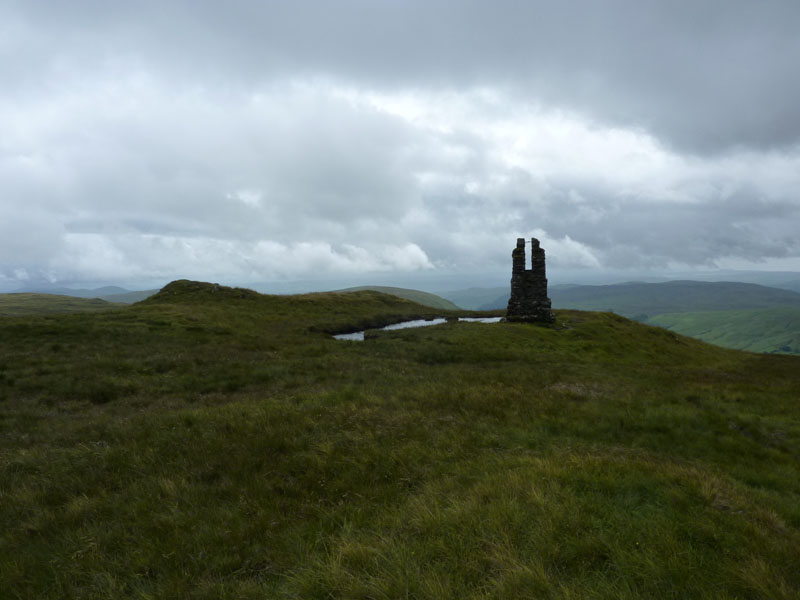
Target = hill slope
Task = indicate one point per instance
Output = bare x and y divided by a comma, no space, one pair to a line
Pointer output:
18,304
793,285
478,298
424,298
129,297
211,442
638,299
695,308
759,330
643,300
74,292
109,293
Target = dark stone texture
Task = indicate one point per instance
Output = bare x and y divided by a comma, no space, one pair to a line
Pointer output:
529,301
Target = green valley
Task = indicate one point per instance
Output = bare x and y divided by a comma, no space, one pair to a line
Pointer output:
731,314
757,330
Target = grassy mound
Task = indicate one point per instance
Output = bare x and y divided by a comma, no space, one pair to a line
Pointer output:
217,443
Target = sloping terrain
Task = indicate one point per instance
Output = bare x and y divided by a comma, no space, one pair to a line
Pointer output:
641,300
109,293
734,315
644,300
477,298
18,304
211,442
793,285
129,297
74,292
424,298
759,330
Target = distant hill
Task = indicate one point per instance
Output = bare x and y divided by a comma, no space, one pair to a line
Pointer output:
129,297
110,293
793,285
644,300
19,304
494,298
737,315
424,298
475,298
757,330
77,293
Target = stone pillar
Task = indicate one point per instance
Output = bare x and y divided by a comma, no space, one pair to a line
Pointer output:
529,301
518,257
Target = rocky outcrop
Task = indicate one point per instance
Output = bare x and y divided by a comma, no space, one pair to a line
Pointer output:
529,301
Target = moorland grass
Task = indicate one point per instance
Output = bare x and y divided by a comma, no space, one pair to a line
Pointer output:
217,443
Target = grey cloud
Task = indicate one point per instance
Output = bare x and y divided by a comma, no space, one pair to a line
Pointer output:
198,137
655,234
704,77
184,163
287,165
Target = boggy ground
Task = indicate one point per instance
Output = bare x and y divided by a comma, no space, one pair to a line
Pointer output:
217,443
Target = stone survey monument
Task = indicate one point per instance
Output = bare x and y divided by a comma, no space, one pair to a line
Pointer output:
529,302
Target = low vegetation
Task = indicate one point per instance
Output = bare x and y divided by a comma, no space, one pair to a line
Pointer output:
212,442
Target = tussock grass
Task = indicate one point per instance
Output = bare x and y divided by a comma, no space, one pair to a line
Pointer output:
217,443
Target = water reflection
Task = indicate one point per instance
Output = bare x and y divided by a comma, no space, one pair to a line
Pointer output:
358,336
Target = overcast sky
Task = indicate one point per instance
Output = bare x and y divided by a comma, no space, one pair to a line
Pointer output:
247,141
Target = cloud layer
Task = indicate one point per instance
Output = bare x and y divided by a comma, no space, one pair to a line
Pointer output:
258,141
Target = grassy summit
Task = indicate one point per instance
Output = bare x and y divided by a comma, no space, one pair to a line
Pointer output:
212,442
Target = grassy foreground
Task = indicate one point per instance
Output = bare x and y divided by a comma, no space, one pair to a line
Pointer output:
217,443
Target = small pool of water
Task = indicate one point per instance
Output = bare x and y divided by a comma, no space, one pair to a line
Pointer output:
358,336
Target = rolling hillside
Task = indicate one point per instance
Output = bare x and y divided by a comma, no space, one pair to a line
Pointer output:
477,298
38,304
129,297
757,330
424,298
644,300
641,300
109,293
793,285
75,292
734,315
212,442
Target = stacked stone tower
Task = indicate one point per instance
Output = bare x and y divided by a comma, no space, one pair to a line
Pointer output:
529,301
